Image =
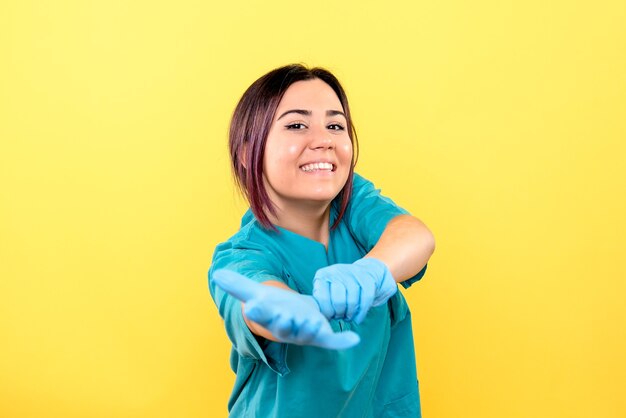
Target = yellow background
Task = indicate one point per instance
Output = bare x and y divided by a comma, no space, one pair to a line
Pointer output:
500,124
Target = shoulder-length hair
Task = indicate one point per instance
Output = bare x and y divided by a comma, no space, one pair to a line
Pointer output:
250,126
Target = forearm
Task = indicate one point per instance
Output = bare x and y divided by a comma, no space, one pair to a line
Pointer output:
405,246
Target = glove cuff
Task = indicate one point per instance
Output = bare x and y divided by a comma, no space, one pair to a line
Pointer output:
379,270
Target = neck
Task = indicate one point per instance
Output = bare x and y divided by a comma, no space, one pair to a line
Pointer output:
308,220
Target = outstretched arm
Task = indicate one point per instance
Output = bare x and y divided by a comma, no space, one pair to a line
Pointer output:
348,291
288,316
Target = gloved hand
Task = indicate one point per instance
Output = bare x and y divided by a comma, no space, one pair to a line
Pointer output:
348,291
289,316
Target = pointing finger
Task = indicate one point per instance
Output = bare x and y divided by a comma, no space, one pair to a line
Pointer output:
237,285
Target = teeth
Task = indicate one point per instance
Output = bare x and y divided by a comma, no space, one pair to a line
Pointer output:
317,166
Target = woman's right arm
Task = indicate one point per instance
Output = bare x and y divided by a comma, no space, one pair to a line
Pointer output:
284,315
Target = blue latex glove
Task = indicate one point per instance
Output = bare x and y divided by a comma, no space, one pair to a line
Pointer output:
289,316
348,291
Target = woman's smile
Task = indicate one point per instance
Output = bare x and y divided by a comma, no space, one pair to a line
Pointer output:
318,167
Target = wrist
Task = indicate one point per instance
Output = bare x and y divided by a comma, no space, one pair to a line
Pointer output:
376,266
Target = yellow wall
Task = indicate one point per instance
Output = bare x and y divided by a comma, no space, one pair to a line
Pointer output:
500,124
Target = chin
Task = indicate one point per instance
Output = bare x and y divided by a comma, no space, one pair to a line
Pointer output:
324,194
319,197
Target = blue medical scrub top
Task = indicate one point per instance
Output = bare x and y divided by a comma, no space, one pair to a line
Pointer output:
376,378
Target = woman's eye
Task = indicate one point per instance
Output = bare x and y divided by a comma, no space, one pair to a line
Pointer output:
336,127
296,126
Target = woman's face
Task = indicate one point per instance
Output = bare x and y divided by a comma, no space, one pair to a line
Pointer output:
308,151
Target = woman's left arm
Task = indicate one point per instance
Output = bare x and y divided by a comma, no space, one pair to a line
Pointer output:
348,291
405,247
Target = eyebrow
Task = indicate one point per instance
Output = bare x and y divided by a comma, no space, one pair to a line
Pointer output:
308,113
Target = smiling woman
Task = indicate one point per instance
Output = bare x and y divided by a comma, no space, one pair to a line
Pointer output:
325,333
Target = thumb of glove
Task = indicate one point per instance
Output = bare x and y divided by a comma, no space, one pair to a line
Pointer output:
337,340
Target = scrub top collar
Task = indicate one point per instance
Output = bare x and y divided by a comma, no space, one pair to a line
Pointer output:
304,247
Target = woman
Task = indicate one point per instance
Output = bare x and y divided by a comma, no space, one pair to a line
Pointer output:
323,331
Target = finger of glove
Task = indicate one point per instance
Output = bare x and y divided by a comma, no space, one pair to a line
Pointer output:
321,293
353,297
336,341
283,328
367,296
308,330
338,299
237,285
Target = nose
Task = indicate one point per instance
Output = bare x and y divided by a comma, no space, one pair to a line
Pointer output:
321,139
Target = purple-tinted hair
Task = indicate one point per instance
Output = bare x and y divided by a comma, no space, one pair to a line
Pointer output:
251,123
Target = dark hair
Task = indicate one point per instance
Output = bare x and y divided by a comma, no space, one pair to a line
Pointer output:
251,123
